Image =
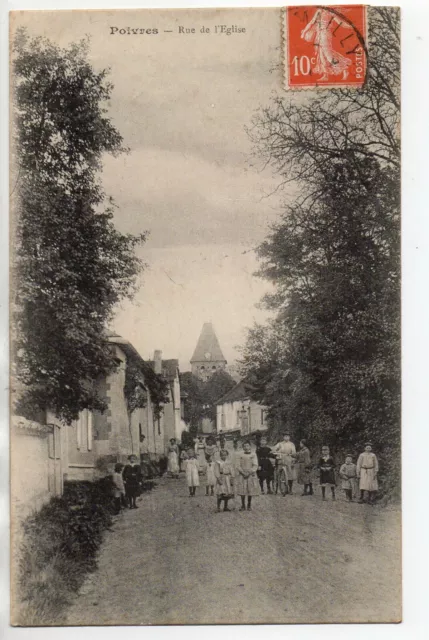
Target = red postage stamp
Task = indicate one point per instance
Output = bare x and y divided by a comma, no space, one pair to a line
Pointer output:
325,46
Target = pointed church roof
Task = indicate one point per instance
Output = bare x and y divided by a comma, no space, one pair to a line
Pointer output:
208,343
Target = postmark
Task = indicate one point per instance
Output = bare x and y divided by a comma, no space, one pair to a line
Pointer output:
325,46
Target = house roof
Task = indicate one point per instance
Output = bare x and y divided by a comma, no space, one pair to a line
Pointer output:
239,392
208,343
169,368
126,347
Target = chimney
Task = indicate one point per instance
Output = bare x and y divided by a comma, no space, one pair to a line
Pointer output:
157,361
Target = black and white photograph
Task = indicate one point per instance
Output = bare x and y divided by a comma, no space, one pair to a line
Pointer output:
205,316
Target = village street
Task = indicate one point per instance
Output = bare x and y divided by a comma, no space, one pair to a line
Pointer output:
292,559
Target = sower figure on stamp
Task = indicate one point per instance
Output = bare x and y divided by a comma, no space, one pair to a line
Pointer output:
303,460
319,31
367,470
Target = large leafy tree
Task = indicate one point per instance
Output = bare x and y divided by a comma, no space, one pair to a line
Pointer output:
71,265
328,363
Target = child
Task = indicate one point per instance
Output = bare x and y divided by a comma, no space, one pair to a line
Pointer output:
183,457
210,475
304,468
265,466
192,468
327,472
367,469
119,488
348,478
132,476
247,480
211,448
224,473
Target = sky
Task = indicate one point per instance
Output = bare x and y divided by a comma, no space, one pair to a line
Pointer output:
182,103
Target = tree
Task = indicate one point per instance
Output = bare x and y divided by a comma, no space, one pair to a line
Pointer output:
328,364
201,397
216,386
71,266
193,388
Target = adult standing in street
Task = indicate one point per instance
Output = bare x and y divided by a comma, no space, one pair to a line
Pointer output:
173,458
367,470
287,452
303,459
200,453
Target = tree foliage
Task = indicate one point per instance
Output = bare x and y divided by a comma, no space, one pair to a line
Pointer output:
71,265
328,363
201,397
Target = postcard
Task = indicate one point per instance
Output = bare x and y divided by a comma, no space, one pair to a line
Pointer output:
205,316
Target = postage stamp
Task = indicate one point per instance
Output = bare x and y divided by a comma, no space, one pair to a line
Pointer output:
325,46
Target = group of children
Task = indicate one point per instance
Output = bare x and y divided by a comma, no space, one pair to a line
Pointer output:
226,477
126,484
362,475
244,472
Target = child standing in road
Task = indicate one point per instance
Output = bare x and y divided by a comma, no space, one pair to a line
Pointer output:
183,457
327,472
224,473
247,480
191,468
132,475
348,478
210,475
118,488
265,468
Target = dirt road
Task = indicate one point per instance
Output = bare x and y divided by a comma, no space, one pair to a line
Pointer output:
293,559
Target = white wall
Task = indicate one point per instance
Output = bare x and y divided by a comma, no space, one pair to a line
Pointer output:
229,416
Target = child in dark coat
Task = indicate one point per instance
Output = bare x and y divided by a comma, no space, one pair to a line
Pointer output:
132,476
265,468
326,467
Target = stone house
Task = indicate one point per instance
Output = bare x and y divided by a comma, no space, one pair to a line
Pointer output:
238,414
45,452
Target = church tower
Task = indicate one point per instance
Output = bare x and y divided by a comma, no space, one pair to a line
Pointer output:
208,357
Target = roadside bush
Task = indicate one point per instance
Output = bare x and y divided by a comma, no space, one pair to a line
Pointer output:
59,548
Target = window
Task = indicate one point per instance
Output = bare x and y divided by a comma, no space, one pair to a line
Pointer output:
159,426
262,417
84,429
54,443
